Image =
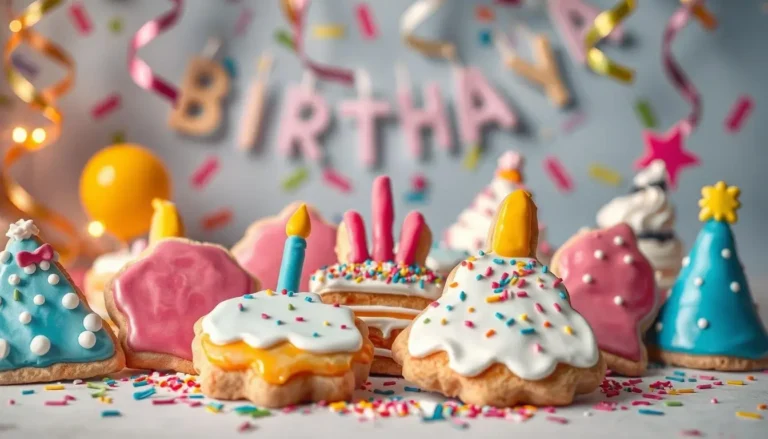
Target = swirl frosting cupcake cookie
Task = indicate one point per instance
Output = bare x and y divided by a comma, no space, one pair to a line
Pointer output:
504,331
385,289
279,349
651,215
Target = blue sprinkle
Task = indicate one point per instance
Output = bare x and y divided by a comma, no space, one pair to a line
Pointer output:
498,290
307,299
144,394
290,293
511,322
247,296
412,389
679,373
330,276
498,261
229,65
527,331
692,380
650,412
383,392
278,322
437,415
478,277
563,295
499,316
27,392
512,262
481,253
245,409
421,284
216,405
196,396
674,378
140,383
462,296
110,413
449,307
544,268
315,334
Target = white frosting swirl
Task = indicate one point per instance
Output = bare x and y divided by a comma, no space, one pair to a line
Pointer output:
647,210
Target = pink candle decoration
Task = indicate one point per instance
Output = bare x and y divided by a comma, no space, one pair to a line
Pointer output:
562,13
353,222
383,217
479,104
301,132
409,238
366,110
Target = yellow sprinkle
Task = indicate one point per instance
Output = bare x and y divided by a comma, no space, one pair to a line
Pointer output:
471,259
524,317
514,280
749,415
211,409
493,299
686,391
530,408
54,387
341,405
454,284
471,309
604,174
358,280
443,321
325,323
568,330
269,292
490,333
328,31
671,392
105,399
735,382
196,390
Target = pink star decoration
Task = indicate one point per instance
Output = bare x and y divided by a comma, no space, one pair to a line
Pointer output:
668,148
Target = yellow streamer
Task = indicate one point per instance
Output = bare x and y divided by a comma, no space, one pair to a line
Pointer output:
604,24
706,18
44,101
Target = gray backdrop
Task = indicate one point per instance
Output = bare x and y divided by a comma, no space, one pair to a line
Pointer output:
723,64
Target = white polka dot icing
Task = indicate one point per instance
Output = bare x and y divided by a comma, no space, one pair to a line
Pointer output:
53,279
263,321
45,265
14,279
30,269
25,318
87,339
70,301
40,345
735,287
5,256
5,348
487,326
702,323
92,322
726,253
38,300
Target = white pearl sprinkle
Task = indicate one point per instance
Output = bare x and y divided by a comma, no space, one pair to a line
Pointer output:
735,287
45,265
30,269
726,253
686,261
40,345
702,323
5,256
70,301
628,259
87,339
53,279
92,322
25,318
14,279
659,326
4,348
618,300
599,254
618,240
698,281
39,299
587,278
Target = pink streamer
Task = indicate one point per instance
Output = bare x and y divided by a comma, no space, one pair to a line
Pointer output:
139,70
205,172
675,73
739,113
336,180
80,18
105,106
558,174
365,21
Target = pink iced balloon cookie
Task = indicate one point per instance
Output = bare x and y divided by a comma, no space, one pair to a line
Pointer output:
612,285
156,299
256,250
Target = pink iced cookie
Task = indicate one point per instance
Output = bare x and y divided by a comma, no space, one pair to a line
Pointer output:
256,250
156,300
612,285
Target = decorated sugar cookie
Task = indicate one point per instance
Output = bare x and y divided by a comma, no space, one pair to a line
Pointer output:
278,349
709,320
255,251
156,299
504,332
47,330
612,285
386,290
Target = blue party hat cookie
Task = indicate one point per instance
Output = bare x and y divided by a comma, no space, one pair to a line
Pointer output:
47,330
710,320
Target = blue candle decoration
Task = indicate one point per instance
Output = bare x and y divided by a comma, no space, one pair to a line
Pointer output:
297,229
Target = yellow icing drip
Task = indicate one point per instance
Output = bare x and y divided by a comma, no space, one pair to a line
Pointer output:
278,364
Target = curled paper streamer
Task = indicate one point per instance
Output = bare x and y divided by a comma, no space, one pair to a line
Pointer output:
295,13
139,70
604,24
680,81
412,18
703,15
42,100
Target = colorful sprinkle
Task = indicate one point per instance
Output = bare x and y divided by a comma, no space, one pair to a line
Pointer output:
110,413
54,387
144,394
527,331
469,324
749,415
650,412
490,333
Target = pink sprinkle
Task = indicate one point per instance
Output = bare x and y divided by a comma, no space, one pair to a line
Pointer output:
641,403
605,406
343,326
714,401
469,324
738,114
434,304
69,398
538,307
300,319
557,282
504,275
56,403
557,307
105,106
707,377
205,172
389,383
489,271
80,16
549,409
704,386
718,383
537,347
240,306
419,182
11,402
691,433
612,393
365,21
245,426
558,174
246,15
522,294
521,283
652,396
558,419
163,401
632,382
264,316
336,180
195,404
336,305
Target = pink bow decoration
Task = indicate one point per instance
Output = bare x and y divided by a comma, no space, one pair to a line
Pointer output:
43,253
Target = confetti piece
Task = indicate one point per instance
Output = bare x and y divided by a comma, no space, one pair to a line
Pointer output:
691,433
144,394
673,403
25,66
105,106
243,21
650,412
245,426
110,414
558,174
205,172
115,25
414,197
54,387
484,14
485,37
735,382
79,16
336,180
216,219
365,21
328,31
605,175
284,38
230,66
169,401
749,415
412,389
645,113
383,392
470,161
61,403
573,122
738,114
27,392
294,180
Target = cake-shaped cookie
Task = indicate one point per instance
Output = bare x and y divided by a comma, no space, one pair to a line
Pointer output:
279,349
384,289
709,320
651,215
47,330
612,285
504,332
156,299
255,251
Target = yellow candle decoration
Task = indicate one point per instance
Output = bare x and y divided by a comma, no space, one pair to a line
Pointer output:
166,221
516,232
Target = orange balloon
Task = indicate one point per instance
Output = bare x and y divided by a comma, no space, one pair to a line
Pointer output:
118,185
